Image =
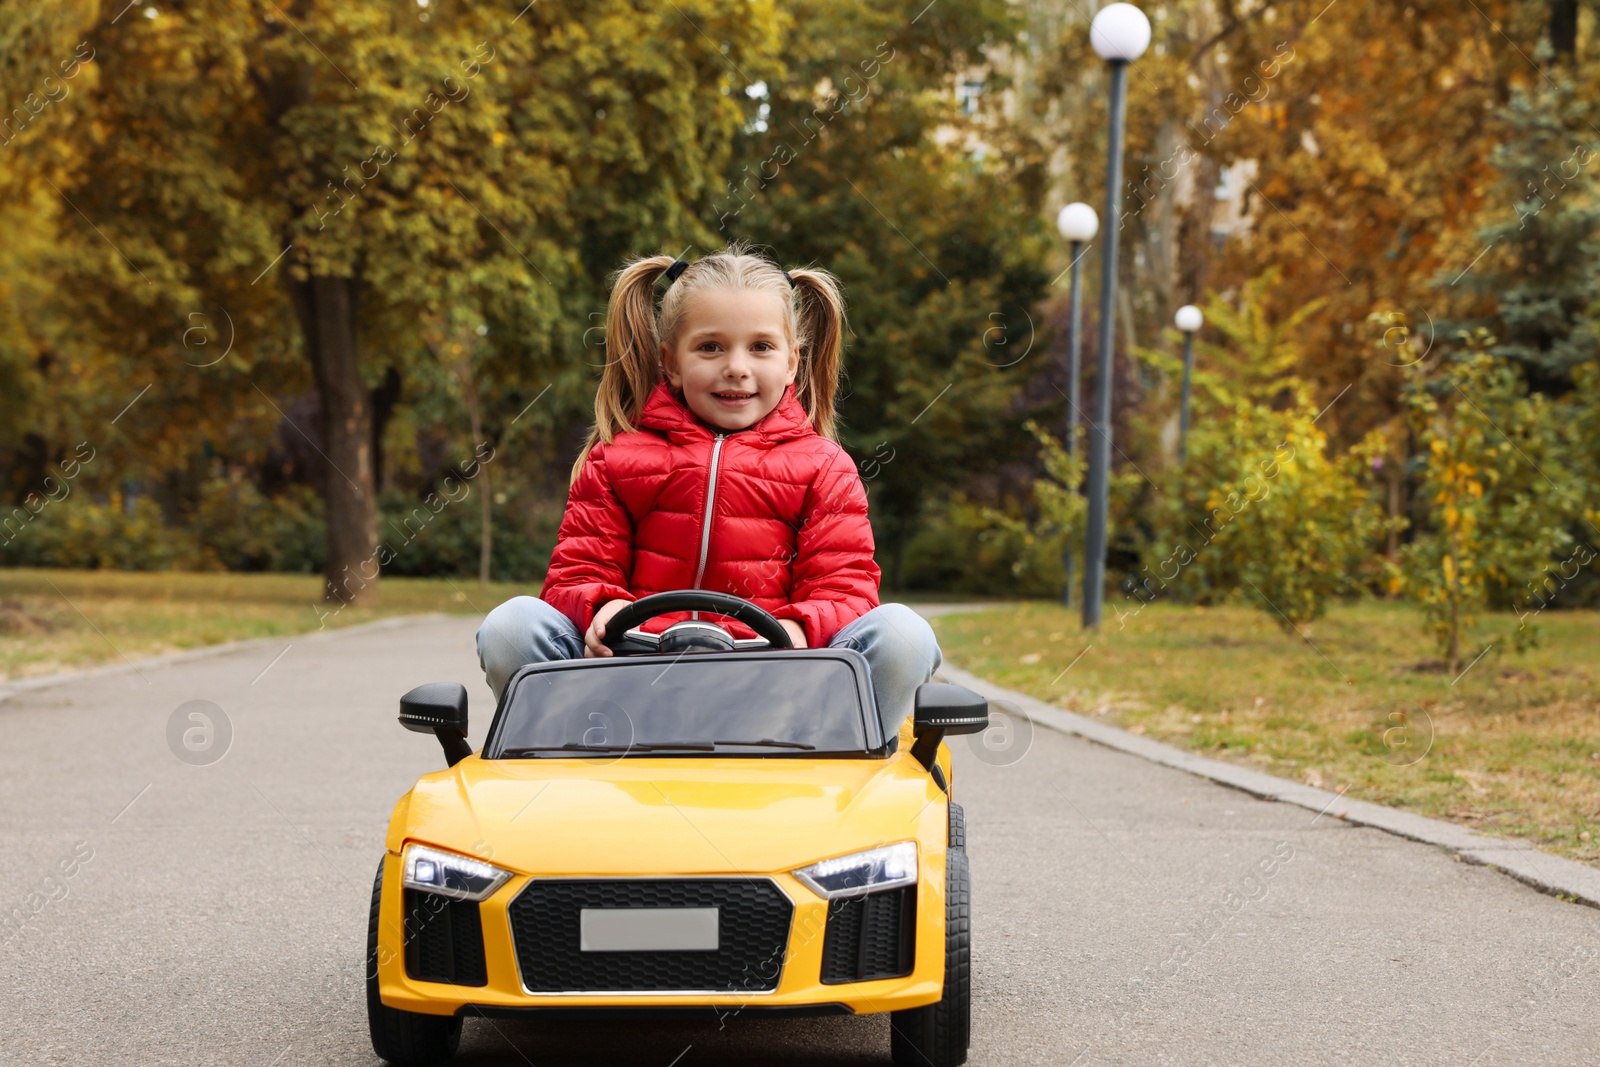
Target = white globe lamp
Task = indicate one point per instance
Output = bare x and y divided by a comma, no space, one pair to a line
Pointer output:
1078,222
1120,33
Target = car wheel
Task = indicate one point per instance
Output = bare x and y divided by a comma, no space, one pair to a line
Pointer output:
937,1035
403,1038
958,826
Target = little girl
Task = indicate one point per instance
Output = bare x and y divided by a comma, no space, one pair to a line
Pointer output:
713,464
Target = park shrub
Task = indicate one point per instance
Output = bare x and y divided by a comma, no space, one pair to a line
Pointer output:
122,532
235,527
1312,535
1262,511
240,529
1258,509
962,546
1015,547
437,534
1497,474
1058,510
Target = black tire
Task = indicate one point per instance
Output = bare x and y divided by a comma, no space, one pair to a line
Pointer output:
937,1035
404,1038
958,826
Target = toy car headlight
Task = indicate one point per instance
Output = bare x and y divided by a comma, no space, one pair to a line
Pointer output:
863,872
450,875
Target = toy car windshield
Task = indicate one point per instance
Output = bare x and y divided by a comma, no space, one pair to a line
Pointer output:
760,704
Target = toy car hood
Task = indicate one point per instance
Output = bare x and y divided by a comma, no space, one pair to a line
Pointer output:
663,815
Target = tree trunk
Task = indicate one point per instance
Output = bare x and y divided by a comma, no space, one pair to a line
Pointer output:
1394,471
897,578
486,546
1564,29
384,399
1453,645
475,417
1453,649
326,308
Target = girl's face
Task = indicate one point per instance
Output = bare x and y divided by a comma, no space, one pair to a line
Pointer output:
733,357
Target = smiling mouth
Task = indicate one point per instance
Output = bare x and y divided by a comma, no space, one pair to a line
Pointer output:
734,396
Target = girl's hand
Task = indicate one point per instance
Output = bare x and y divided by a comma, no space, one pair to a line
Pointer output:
797,633
592,646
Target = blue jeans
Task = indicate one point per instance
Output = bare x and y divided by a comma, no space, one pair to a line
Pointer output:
898,644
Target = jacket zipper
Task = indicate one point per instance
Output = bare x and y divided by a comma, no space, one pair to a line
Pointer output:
711,507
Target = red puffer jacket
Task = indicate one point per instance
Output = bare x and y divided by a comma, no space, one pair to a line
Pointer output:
773,513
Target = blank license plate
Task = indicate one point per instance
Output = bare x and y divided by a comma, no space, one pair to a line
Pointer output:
647,929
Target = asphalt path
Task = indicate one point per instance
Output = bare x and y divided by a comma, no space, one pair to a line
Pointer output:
1123,912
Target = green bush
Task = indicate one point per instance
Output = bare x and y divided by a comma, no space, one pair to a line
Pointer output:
128,534
1013,550
239,529
1262,510
235,527
967,547
1498,477
1309,538
438,534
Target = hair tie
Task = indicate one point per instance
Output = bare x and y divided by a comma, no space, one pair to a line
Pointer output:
679,266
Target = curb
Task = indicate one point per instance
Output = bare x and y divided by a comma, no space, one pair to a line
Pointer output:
48,681
1550,874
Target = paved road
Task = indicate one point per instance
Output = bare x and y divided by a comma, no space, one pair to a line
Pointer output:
1125,913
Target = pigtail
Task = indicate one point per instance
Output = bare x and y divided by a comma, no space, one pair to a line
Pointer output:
632,354
822,327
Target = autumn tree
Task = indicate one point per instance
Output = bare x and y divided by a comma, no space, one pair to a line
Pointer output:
317,171
862,161
1535,285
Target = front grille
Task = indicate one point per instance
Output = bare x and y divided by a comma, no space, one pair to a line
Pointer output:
444,939
753,936
870,936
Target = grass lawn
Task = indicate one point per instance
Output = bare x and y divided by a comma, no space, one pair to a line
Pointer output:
59,620
1510,747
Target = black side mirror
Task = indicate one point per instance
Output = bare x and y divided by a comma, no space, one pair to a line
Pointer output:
942,708
439,708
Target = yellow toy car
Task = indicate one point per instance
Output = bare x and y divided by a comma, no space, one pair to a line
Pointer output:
696,826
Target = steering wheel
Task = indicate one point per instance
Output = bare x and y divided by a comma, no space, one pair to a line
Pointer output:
643,610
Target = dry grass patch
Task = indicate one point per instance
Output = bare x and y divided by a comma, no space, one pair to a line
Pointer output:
57,620
1510,747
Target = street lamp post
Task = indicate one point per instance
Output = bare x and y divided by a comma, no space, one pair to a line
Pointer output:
1120,33
1188,319
1078,224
